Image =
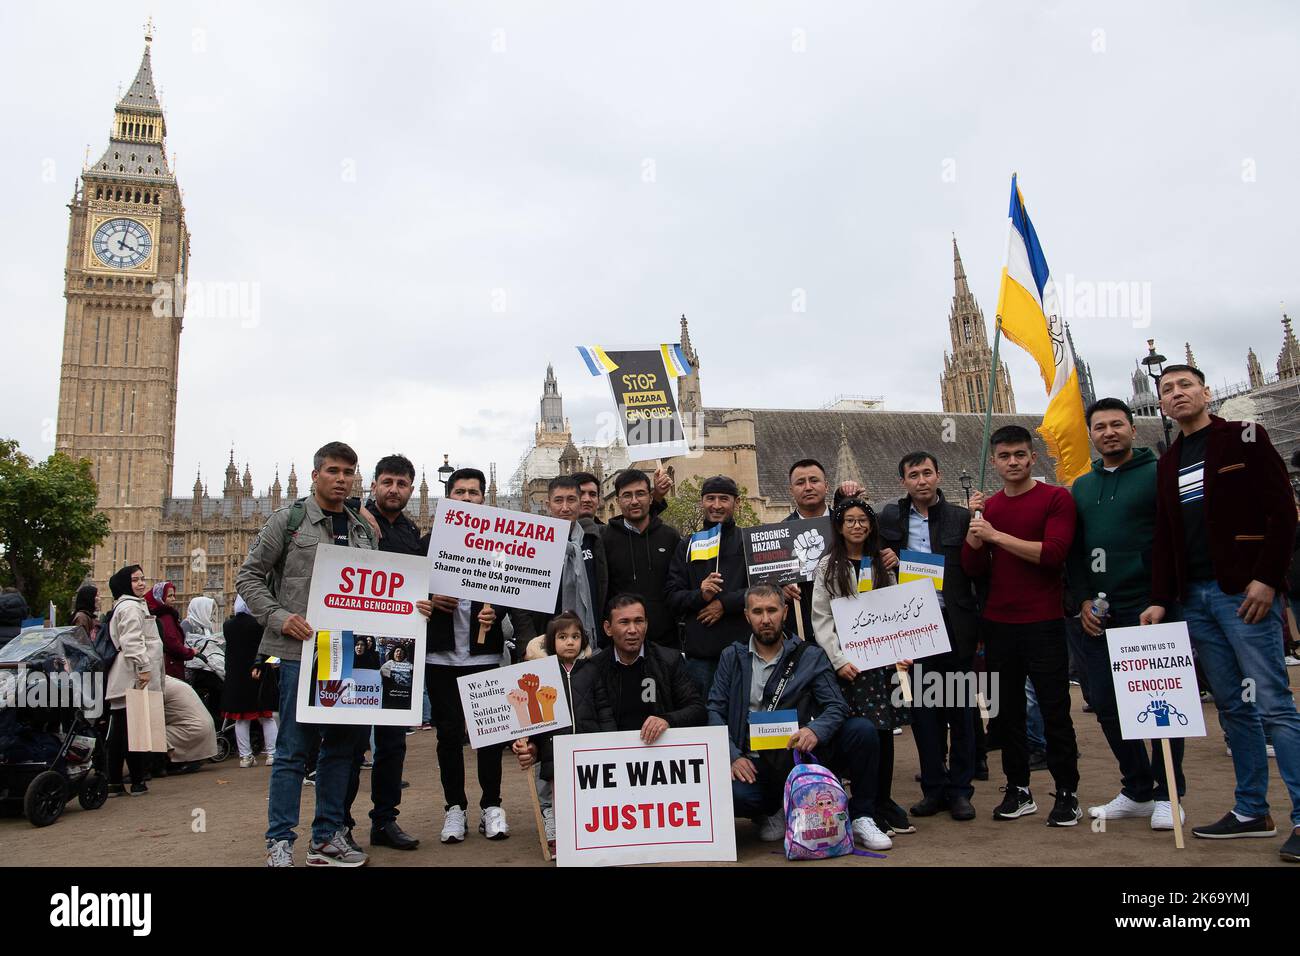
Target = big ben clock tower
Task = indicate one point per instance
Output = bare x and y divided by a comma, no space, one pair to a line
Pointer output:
125,274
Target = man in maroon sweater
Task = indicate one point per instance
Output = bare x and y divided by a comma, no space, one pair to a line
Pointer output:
1019,539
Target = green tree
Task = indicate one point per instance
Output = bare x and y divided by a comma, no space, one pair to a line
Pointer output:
683,511
49,524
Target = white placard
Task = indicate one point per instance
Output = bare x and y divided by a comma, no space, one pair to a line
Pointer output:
367,592
479,553
1155,681
347,677
512,702
887,625
620,801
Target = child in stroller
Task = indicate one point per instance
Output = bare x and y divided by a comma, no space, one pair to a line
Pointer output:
51,682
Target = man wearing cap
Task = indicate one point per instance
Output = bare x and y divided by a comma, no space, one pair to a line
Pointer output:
709,594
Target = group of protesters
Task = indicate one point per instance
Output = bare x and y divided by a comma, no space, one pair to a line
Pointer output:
649,639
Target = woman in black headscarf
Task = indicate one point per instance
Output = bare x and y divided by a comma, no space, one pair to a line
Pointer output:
139,664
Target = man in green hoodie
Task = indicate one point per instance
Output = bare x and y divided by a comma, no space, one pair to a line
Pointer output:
1111,555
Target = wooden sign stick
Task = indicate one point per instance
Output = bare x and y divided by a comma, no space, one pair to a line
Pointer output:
904,682
537,813
798,617
1173,793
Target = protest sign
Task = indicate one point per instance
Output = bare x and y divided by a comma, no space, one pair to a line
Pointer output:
367,592
785,552
772,729
916,565
886,625
507,703
1155,681
480,553
620,801
642,388
347,677
1156,692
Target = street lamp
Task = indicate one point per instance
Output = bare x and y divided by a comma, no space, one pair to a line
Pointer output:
444,474
1155,363
965,480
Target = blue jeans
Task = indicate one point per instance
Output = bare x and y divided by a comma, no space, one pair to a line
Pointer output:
1034,730
333,767
1238,658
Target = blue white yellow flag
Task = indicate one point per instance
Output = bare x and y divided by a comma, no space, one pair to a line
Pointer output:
705,544
598,363
675,359
1029,308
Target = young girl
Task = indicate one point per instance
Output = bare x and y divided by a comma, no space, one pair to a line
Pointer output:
565,639
854,559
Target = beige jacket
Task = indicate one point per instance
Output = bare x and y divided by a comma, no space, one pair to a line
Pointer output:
139,648
536,649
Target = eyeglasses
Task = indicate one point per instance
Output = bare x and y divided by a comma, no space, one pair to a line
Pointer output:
857,522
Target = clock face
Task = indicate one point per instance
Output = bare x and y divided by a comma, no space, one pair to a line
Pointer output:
122,243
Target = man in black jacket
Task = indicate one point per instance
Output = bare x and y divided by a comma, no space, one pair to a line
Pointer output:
632,685
638,549
710,594
925,521
454,650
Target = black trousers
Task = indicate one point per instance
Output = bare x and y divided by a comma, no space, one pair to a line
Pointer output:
385,775
117,751
955,711
1036,651
449,721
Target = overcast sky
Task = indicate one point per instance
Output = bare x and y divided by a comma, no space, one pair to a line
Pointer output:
426,203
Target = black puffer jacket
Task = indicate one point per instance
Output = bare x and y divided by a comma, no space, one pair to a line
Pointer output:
684,597
598,688
638,564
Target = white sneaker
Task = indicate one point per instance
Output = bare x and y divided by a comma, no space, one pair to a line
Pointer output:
268,759
1268,749
868,834
453,826
279,853
249,761
1122,807
493,824
1163,817
1292,661
771,829
548,823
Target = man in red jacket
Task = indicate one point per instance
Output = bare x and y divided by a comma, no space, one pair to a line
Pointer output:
1225,522
1019,540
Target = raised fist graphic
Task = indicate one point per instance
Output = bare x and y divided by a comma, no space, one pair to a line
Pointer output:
546,697
519,701
529,684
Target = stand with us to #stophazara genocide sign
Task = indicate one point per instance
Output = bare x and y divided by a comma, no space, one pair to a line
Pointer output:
364,663
1156,691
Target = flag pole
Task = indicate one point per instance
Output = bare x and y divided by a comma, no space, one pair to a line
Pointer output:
988,404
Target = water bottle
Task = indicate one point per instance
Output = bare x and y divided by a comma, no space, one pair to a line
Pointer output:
1101,608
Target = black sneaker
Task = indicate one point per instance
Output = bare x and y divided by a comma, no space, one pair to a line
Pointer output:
137,789
1230,828
896,817
1066,812
310,779
1018,802
1291,848
929,806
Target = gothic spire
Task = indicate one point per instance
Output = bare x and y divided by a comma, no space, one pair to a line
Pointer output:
686,344
1288,362
1190,358
846,464
961,287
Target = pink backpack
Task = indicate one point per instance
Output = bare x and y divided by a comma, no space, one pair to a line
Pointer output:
816,813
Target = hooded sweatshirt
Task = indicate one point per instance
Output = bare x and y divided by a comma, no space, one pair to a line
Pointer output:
638,564
1116,526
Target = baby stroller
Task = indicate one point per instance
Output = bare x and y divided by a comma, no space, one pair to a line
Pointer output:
206,673
49,751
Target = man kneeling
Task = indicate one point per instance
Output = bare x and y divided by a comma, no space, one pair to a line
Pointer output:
773,672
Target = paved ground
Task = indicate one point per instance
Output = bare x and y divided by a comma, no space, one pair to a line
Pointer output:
159,829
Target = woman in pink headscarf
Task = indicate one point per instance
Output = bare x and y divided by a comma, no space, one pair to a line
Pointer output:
162,605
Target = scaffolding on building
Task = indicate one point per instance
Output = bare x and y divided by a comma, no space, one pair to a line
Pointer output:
1275,404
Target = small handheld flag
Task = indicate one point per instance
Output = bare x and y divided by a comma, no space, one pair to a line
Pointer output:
675,359
706,545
